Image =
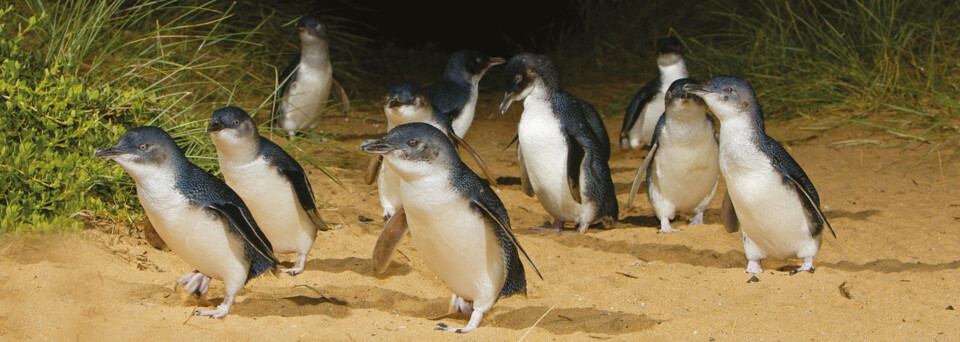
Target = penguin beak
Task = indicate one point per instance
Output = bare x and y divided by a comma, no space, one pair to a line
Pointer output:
214,127
394,102
696,89
496,61
507,100
377,146
108,152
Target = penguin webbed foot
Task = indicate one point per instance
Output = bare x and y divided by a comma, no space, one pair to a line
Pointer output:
195,282
472,325
665,227
222,310
298,267
753,267
557,227
806,267
697,219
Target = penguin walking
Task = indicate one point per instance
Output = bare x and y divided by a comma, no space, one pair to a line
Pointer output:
457,222
408,102
561,151
641,117
201,219
308,81
271,183
456,93
770,197
682,172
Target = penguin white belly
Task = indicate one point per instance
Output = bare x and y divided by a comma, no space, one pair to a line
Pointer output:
305,97
642,132
770,212
388,184
686,173
454,241
462,123
544,151
199,237
274,204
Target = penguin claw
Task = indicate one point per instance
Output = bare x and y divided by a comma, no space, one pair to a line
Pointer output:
801,270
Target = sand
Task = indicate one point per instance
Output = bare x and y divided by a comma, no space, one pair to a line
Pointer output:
891,274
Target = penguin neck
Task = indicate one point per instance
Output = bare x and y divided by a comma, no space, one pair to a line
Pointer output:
315,54
540,93
673,72
739,128
237,151
419,173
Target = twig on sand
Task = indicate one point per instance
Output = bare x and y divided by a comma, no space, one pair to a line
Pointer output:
535,323
192,312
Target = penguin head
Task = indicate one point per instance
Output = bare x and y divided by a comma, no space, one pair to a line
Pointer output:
470,64
311,29
230,128
524,73
144,151
407,101
677,96
413,150
669,51
727,96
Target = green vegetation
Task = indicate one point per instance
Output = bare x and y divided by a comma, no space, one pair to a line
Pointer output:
75,75
888,64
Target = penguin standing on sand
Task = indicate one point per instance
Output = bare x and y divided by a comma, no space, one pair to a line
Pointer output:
561,151
456,93
646,107
201,219
273,185
681,169
408,102
458,223
308,81
770,196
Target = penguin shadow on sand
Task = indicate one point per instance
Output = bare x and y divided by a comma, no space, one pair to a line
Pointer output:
338,302
359,266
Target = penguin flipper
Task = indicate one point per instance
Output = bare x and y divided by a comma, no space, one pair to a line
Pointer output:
483,166
373,170
632,114
337,90
389,238
288,77
640,179
301,185
241,222
728,215
575,160
504,230
816,208
524,178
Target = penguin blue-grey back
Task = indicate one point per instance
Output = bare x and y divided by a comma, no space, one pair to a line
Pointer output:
644,110
273,184
457,222
202,220
455,94
775,203
562,155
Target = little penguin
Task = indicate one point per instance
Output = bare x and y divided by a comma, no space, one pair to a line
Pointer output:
199,217
408,102
308,82
458,224
770,197
562,146
646,107
681,169
456,93
271,183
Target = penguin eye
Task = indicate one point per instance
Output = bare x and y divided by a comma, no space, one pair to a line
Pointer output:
517,78
479,60
236,122
412,143
728,90
142,147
